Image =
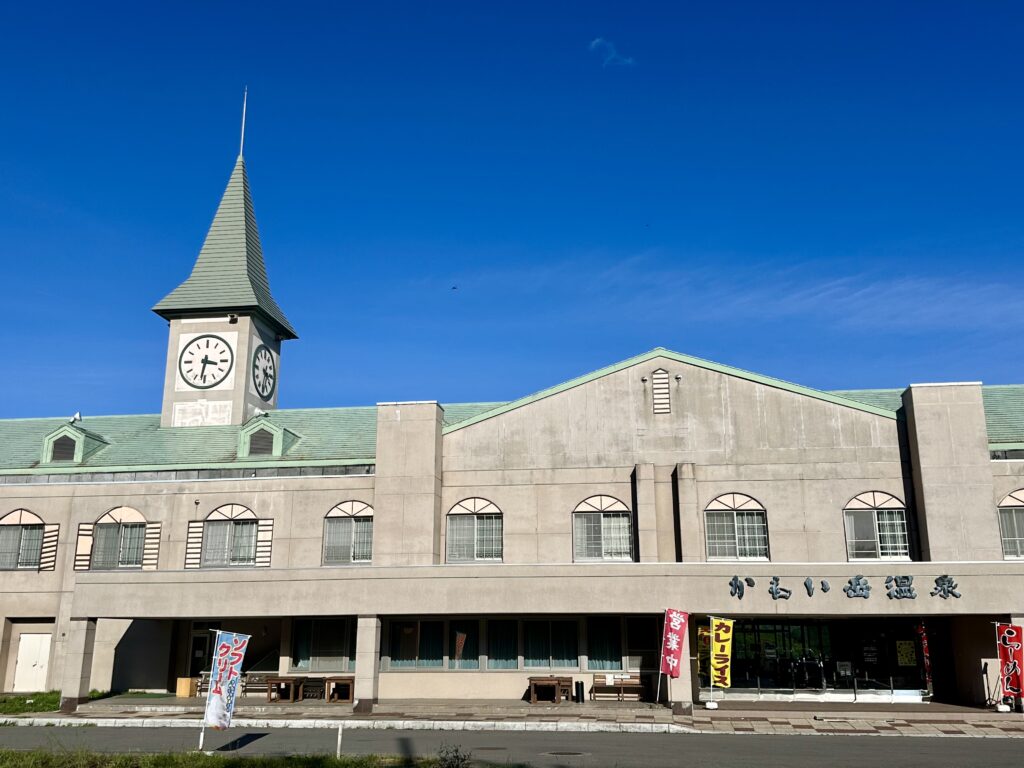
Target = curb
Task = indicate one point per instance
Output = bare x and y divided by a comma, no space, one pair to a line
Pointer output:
360,725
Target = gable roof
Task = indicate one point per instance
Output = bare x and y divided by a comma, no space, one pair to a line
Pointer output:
229,275
661,352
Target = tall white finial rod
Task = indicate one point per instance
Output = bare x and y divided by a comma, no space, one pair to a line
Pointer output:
245,96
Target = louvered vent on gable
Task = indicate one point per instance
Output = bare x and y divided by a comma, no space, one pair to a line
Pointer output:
261,443
661,392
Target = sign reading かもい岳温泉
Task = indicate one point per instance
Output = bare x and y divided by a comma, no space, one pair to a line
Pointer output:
896,587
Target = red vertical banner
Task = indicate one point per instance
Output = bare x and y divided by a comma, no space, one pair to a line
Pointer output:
672,641
925,656
1010,644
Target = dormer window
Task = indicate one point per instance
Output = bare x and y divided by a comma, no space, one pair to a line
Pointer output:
63,449
262,438
261,443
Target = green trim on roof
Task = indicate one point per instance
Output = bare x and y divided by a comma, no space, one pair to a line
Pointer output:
1006,446
679,358
229,275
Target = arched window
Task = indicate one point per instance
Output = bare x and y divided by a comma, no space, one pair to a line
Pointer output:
602,529
229,536
348,534
21,540
1011,524
876,527
118,540
736,526
474,532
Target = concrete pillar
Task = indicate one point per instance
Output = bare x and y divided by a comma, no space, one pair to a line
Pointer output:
646,513
691,522
78,650
367,662
682,688
952,472
407,514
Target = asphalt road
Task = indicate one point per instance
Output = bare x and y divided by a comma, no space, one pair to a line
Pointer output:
552,749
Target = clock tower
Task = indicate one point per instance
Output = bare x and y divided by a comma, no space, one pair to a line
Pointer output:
226,329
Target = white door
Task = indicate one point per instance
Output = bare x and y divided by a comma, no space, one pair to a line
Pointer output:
33,659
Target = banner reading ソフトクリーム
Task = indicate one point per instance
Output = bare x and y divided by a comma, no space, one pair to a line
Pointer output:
229,650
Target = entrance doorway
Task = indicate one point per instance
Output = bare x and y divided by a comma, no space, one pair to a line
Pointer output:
199,647
33,662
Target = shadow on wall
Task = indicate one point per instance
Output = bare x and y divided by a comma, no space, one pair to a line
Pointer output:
142,656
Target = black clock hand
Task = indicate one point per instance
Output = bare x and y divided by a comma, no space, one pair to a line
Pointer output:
205,361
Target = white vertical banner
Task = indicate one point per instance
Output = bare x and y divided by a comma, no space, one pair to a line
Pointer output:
226,674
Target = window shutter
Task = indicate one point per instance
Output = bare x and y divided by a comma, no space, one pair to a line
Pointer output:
83,547
48,556
194,544
264,541
151,547
661,392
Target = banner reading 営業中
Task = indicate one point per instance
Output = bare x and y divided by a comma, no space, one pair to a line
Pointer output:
672,641
1010,644
226,673
721,652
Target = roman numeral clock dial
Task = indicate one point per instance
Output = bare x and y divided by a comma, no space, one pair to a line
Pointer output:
205,361
264,372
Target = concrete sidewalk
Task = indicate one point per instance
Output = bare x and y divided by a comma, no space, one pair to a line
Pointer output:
607,717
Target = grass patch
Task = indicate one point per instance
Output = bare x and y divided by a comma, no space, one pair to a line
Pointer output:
21,703
41,759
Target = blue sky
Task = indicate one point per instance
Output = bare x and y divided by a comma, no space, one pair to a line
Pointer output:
828,193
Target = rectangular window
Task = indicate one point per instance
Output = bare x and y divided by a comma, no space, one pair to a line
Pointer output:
473,537
464,644
321,645
488,537
549,644
604,643
602,536
735,534
417,644
105,546
877,533
503,644
1011,530
229,542
20,546
348,540
721,534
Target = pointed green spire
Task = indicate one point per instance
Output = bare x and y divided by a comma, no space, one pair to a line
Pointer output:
229,275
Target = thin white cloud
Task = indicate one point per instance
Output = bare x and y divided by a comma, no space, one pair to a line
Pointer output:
610,56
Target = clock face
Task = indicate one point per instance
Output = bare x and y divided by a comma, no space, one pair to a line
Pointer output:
205,361
264,372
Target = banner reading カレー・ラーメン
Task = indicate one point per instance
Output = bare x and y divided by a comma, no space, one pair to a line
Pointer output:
1010,644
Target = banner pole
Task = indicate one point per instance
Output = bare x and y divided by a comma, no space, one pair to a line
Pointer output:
202,734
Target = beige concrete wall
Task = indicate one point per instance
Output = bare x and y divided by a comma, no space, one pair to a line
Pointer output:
986,588
952,471
464,684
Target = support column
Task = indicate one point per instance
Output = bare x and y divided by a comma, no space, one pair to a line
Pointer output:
78,650
646,513
367,662
682,686
690,522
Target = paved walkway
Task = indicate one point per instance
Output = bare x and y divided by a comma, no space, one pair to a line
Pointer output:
766,718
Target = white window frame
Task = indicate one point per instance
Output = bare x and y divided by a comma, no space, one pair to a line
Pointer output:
607,509
478,510
876,502
122,529
352,511
1012,504
232,527
736,504
21,564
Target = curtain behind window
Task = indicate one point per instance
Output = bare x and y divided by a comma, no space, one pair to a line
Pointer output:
604,643
10,546
243,542
502,644
338,540
216,536
536,644
461,538
105,546
132,537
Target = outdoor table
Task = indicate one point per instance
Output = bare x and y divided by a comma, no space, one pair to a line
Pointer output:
294,686
561,687
332,686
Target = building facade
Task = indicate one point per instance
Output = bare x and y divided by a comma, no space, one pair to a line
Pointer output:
864,541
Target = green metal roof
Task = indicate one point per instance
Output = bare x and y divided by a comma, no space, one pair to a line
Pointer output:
326,436
229,275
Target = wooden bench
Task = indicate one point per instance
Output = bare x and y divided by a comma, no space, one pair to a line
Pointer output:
561,688
617,686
